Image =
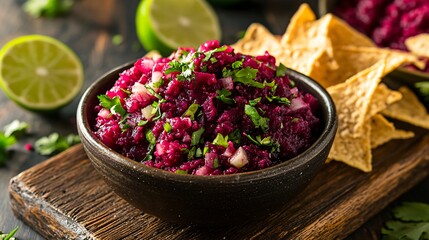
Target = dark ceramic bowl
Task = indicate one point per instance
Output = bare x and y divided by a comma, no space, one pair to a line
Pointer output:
405,75
205,200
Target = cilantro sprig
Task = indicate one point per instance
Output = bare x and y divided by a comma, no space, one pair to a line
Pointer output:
8,236
55,143
48,8
9,137
221,140
411,221
258,120
223,95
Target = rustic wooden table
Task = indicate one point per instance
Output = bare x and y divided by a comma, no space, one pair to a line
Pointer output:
88,30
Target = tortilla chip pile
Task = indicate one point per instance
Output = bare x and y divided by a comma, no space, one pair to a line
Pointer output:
351,67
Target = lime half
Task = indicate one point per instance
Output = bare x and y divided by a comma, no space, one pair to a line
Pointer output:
39,73
165,25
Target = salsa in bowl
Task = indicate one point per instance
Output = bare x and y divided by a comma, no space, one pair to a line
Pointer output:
185,124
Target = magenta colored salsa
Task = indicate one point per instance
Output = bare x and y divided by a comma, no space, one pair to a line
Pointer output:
209,111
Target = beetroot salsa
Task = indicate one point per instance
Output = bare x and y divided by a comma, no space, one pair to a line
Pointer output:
209,111
388,22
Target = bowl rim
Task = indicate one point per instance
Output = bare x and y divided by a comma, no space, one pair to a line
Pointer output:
329,130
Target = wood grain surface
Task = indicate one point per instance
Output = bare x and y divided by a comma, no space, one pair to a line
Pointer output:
66,193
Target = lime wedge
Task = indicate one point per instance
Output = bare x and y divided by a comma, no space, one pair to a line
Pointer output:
165,25
39,73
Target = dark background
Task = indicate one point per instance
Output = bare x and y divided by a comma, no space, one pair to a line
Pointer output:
88,30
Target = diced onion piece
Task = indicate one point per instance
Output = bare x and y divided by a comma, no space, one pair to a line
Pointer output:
297,103
294,90
227,83
156,77
104,113
147,112
202,171
239,158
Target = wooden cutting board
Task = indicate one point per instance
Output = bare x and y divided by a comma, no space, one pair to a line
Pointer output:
64,198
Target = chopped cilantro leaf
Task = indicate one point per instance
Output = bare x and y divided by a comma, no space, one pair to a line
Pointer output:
198,153
213,60
423,90
16,128
294,120
5,142
191,153
179,171
291,83
209,54
258,121
142,123
266,141
223,95
159,83
152,92
113,104
55,143
255,101
150,137
8,236
411,221
167,127
196,136
235,136
205,150
126,91
215,163
278,99
48,8
190,112
247,76
220,140
237,64
281,70
227,72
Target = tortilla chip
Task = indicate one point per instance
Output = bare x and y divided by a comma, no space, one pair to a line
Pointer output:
302,16
298,59
382,98
352,99
383,131
419,44
342,34
353,151
256,41
347,61
409,109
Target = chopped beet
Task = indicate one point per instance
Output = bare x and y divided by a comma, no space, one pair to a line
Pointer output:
209,111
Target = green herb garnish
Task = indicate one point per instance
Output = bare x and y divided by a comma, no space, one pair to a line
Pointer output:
8,236
48,8
150,137
237,64
167,127
223,95
254,101
281,70
215,163
179,171
220,140
423,88
55,143
142,123
198,153
16,128
278,99
411,221
209,54
235,136
113,104
258,121
196,136
190,112
5,143
247,76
